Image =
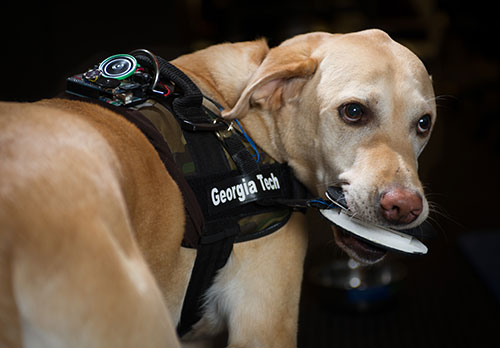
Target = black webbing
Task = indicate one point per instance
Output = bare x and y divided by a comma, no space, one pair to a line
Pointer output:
212,254
240,154
187,105
216,243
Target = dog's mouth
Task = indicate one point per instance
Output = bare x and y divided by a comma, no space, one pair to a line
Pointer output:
364,241
357,248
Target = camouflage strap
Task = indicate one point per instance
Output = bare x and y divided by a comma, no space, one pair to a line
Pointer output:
256,224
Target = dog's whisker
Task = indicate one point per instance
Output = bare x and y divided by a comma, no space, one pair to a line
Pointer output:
436,226
442,98
437,211
353,215
435,208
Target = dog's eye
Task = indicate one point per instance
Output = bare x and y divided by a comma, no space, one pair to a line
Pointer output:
352,112
424,125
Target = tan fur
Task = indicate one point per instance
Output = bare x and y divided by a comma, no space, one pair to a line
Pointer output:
74,211
90,223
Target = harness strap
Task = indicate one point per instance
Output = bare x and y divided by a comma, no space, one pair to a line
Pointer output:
187,107
213,252
194,216
216,244
218,236
240,154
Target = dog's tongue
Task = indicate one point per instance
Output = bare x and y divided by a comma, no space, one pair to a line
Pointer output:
378,235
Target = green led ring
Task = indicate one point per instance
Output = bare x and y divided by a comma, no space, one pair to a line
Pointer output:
119,66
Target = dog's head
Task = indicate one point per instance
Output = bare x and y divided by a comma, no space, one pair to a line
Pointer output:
353,111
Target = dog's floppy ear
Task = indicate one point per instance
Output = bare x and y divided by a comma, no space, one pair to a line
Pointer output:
277,80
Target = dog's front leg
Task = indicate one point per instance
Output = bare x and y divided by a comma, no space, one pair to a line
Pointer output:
261,293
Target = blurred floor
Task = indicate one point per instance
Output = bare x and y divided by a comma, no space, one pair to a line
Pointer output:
442,302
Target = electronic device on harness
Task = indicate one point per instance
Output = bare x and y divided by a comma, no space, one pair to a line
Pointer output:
233,191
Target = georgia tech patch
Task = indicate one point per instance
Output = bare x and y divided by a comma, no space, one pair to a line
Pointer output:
243,189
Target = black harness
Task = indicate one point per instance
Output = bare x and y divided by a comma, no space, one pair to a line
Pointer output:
233,192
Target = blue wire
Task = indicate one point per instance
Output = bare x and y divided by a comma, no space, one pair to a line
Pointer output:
250,141
320,201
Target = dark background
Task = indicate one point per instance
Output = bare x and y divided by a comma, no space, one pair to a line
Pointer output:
448,297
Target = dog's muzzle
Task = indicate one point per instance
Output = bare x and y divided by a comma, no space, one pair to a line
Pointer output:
338,213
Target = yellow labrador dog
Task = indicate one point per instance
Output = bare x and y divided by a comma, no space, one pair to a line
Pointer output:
91,224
